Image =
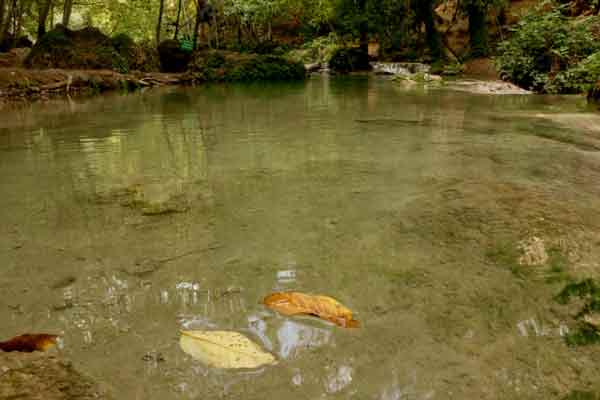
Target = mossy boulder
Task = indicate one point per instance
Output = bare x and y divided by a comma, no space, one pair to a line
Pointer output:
88,48
350,59
216,66
172,57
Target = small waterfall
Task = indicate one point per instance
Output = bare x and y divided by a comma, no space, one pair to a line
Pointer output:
401,68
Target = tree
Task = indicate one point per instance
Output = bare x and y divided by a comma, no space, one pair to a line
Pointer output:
477,11
161,11
178,20
43,12
68,8
2,12
200,10
424,10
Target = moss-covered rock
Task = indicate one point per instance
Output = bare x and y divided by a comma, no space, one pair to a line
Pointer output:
349,60
217,66
88,48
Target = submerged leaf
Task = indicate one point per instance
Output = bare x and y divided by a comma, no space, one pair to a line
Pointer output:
29,343
224,349
293,303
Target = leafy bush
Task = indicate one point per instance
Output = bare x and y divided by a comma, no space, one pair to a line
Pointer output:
548,52
232,67
578,79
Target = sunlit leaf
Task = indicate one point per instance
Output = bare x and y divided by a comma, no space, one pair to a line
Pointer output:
224,349
29,343
293,303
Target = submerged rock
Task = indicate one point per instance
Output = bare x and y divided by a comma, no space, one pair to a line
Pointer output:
38,376
533,252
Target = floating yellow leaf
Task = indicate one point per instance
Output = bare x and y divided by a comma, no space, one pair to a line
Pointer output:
224,349
293,303
29,343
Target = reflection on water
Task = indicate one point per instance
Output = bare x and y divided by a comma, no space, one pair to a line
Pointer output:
128,218
294,337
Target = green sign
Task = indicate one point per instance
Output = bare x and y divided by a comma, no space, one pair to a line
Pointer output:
186,45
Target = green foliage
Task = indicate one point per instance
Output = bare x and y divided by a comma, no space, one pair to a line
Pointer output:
229,67
579,78
348,60
547,52
452,69
319,50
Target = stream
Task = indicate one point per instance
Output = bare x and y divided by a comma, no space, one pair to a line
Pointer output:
127,218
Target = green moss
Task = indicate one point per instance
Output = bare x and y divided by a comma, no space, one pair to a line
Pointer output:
584,289
583,335
588,292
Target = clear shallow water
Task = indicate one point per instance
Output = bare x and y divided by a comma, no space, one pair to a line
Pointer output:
128,218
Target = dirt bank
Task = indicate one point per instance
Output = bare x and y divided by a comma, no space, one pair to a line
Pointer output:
25,84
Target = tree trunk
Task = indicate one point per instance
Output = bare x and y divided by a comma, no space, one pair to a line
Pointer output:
9,14
478,31
2,14
216,30
67,13
425,14
43,12
177,20
363,27
200,4
161,11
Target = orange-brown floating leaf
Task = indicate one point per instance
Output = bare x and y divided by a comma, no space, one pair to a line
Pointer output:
293,303
29,343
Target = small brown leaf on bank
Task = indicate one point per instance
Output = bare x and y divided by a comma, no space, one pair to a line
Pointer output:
29,343
327,308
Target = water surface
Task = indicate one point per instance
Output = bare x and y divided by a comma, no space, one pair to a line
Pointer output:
127,218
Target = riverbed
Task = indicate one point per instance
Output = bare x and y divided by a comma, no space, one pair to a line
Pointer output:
126,218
